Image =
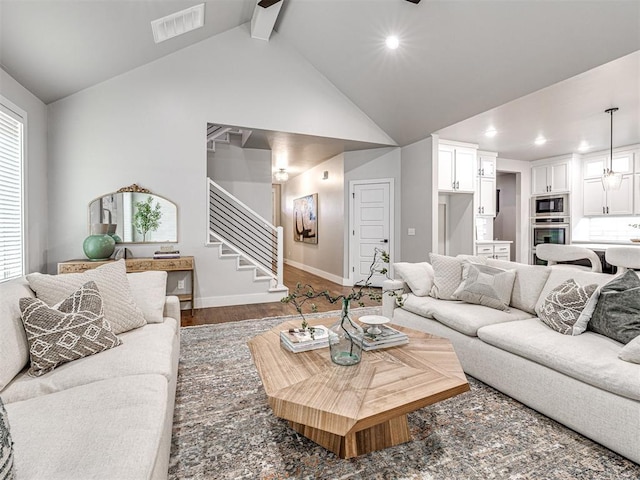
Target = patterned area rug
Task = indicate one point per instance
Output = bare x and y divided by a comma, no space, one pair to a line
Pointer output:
224,429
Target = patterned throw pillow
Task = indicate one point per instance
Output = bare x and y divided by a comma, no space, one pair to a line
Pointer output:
6,446
447,276
120,310
73,329
617,314
568,307
485,285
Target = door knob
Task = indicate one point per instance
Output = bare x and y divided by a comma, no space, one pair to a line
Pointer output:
386,240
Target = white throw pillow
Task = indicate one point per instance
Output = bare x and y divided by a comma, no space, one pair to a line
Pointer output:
419,276
111,278
14,348
631,351
485,285
447,276
149,290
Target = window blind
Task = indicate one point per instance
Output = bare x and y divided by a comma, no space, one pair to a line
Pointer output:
11,211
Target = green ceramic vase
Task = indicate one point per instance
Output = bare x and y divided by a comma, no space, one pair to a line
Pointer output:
98,247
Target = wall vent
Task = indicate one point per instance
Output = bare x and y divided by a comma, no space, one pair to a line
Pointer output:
178,23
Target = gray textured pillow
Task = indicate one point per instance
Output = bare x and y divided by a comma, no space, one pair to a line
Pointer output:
74,329
568,307
6,446
631,351
617,314
120,309
485,285
418,276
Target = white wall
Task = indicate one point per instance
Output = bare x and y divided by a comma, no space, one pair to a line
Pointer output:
243,172
148,126
419,201
326,257
504,225
522,170
36,212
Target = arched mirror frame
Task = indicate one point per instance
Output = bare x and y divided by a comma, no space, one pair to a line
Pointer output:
134,188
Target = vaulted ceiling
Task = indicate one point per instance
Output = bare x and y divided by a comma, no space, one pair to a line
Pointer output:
461,67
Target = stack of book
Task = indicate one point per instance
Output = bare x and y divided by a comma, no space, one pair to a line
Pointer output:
167,254
389,337
297,340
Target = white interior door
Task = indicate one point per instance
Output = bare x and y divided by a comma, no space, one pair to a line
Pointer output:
371,228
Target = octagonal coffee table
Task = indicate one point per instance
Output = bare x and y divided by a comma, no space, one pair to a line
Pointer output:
356,409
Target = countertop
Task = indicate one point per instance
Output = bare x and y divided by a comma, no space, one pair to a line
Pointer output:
604,246
491,242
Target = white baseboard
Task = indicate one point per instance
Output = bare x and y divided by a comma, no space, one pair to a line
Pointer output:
321,273
242,299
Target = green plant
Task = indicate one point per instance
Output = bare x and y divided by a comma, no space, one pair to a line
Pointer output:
304,294
147,217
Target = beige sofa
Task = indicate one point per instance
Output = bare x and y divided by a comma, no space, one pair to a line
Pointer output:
108,415
577,380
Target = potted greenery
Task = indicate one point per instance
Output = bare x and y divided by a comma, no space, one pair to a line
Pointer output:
147,218
345,336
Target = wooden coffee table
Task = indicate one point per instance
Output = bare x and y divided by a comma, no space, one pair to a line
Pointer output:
356,409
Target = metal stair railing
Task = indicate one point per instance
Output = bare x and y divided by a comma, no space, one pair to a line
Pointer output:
245,232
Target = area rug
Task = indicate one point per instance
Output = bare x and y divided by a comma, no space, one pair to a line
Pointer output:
224,429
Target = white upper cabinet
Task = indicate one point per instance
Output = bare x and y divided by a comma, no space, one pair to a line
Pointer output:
636,205
456,168
598,202
594,166
551,178
486,165
487,196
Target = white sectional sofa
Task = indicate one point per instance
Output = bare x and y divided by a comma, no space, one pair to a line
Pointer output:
105,416
578,381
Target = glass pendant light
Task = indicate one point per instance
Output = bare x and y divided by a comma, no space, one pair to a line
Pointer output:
610,179
281,175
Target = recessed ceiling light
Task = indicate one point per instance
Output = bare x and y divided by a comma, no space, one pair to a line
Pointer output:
491,132
178,23
540,140
392,42
584,146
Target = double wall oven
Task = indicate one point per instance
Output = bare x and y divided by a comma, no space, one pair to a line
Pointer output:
550,222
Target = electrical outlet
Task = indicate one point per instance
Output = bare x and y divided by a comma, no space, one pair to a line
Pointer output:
180,284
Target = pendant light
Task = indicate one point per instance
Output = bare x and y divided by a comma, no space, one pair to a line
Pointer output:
610,179
281,175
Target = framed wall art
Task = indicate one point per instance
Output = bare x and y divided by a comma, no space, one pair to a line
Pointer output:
305,219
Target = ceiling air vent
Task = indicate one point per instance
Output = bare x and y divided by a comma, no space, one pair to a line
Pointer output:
178,23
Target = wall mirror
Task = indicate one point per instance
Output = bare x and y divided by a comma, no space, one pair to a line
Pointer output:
139,216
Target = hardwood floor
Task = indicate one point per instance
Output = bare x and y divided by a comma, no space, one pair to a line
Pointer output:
292,276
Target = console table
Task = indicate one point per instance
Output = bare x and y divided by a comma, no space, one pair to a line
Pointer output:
182,264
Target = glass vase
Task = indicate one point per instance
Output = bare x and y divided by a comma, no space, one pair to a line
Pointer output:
345,339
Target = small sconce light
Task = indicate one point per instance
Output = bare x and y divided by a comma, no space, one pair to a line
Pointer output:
325,175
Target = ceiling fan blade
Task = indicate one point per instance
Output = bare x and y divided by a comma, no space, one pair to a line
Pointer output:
268,3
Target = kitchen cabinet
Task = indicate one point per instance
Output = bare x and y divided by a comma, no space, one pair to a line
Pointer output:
598,202
486,184
487,164
551,178
636,205
487,196
499,250
456,168
594,166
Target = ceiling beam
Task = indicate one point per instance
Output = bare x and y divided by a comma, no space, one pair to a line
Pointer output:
264,18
